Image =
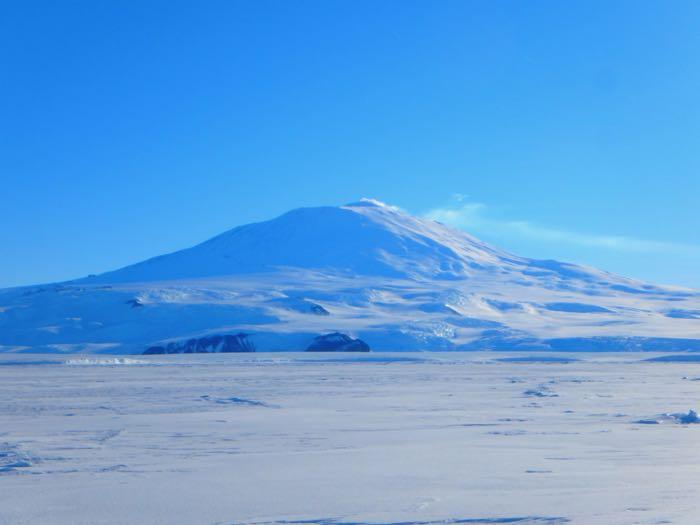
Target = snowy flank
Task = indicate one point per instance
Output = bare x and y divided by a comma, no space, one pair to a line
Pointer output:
365,270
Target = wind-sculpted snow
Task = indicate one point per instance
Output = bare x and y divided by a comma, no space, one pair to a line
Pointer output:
13,460
677,313
681,418
540,391
366,270
538,359
680,358
576,308
110,361
518,520
347,438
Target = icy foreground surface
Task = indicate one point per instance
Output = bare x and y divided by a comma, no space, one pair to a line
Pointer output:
366,270
343,438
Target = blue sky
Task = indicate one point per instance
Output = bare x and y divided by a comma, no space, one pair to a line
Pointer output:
564,130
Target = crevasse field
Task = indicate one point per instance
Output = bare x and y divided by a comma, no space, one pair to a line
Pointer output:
348,439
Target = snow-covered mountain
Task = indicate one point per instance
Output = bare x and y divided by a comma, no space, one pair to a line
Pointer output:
365,270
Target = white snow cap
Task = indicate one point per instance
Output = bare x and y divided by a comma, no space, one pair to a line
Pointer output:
368,203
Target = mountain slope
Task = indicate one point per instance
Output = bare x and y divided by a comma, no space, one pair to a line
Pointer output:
367,238
365,269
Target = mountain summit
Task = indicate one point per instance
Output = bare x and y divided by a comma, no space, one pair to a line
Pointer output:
366,270
363,238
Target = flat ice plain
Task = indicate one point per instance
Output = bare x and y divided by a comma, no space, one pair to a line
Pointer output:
348,439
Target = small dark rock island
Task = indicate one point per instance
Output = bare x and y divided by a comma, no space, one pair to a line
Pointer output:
337,342
206,345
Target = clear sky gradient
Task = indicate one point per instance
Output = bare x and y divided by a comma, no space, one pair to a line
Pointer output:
566,130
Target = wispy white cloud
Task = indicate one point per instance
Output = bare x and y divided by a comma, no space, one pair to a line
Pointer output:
476,218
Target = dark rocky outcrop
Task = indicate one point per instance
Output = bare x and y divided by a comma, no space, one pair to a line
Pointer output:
205,345
337,342
317,309
300,305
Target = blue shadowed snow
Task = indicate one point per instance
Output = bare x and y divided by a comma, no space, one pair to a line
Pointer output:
579,308
30,362
538,359
679,358
520,520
